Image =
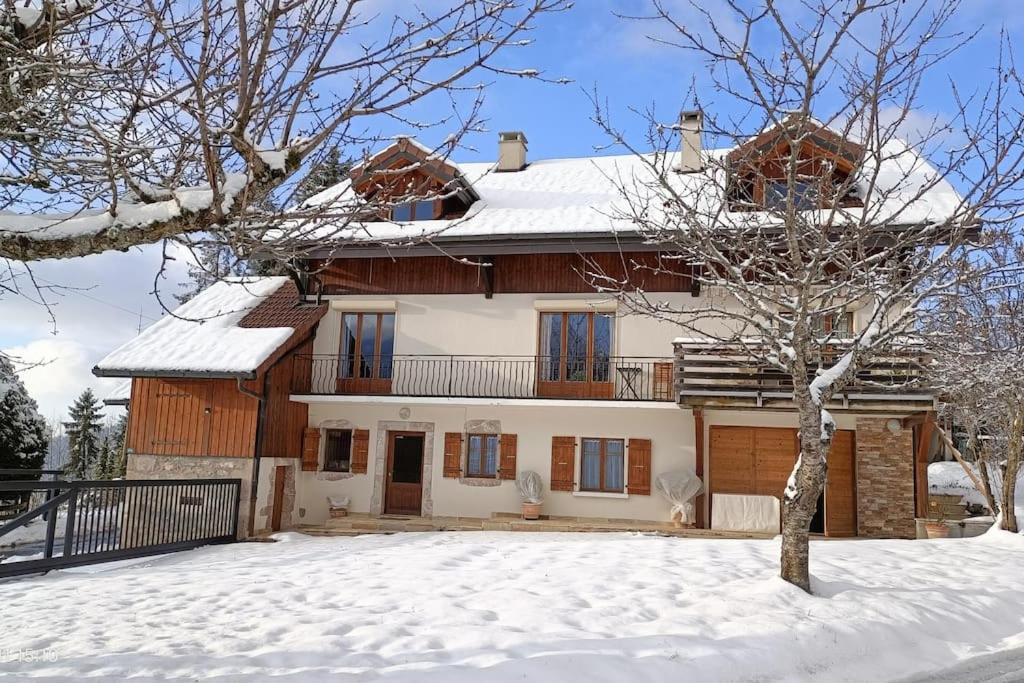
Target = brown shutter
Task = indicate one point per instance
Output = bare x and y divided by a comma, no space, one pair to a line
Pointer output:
563,462
310,449
508,445
640,467
453,454
360,450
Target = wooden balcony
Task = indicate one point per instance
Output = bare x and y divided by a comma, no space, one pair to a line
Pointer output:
722,376
615,378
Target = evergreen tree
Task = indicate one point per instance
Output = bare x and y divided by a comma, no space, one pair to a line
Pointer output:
104,463
23,433
83,435
330,171
119,433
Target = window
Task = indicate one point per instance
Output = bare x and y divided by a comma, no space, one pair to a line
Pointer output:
805,194
482,455
367,345
602,466
838,324
414,211
337,450
576,347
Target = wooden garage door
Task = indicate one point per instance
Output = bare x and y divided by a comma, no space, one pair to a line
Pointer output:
759,460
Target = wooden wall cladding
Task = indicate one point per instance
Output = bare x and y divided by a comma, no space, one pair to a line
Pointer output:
513,274
286,420
197,417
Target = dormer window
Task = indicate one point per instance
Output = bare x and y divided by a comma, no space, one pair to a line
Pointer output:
805,195
415,211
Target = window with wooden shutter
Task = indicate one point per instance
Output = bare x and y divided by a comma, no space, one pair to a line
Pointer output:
360,450
453,454
639,467
563,462
509,445
310,449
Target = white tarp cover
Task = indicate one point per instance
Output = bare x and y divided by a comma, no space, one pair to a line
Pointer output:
735,512
531,486
680,487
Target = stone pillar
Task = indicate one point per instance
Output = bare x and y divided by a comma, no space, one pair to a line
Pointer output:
885,479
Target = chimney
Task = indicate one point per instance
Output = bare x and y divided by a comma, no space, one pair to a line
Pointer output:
511,151
691,126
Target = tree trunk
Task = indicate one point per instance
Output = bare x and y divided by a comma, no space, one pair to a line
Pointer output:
1013,457
801,498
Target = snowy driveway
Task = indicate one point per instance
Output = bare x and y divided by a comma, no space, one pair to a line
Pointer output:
496,606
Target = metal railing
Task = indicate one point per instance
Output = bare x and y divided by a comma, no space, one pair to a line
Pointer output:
457,376
721,374
85,522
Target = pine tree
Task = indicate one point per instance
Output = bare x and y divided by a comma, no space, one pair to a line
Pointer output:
328,172
83,435
118,435
105,461
23,433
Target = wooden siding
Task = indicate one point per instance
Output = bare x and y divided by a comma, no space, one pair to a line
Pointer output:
286,420
198,417
512,274
759,460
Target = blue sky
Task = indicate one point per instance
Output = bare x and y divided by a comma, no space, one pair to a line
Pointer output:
587,44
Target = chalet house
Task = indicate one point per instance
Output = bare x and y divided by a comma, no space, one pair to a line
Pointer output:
418,379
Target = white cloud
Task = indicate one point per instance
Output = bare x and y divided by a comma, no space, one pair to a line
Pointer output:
103,313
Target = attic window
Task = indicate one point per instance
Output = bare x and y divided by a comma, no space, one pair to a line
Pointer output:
806,195
415,211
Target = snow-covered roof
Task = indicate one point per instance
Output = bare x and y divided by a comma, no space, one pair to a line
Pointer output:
583,196
204,335
119,394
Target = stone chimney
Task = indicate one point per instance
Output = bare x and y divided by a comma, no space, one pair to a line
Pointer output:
691,126
511,151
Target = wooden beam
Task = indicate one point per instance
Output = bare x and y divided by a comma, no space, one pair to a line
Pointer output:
698,444
488,270
924,441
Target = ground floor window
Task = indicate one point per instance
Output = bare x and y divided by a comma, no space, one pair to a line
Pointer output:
482,455
337,450
602,467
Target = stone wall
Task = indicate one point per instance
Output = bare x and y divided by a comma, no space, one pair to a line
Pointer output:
885,480
141,466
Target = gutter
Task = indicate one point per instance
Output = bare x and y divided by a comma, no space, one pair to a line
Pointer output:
261,422
174,374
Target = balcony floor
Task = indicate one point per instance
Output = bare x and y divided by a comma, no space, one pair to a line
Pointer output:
378,399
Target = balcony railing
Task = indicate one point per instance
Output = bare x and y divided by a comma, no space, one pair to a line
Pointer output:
495,377
723,375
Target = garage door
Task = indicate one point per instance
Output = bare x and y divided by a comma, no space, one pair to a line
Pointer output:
759,460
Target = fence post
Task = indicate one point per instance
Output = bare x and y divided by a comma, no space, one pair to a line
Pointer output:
237,486
51,524
69,525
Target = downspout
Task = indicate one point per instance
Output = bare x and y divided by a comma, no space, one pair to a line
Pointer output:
261,422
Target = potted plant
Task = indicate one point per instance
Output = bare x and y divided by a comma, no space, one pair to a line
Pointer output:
530,487
337,507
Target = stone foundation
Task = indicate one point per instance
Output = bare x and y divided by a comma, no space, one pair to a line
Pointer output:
142,466
885,480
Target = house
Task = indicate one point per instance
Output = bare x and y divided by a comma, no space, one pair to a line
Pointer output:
418,379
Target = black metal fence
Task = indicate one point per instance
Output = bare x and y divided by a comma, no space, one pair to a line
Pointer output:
72,523
606,377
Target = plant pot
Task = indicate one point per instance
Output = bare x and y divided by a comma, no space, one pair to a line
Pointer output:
338,512
936,529
531,510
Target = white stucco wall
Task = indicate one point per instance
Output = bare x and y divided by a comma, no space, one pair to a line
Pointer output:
669,428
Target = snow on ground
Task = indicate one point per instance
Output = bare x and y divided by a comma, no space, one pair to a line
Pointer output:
495,606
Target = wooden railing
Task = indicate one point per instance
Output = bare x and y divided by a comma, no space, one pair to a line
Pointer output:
615,378
723,375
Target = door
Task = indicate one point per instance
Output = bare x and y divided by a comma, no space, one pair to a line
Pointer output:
280,474
759,460
404,477
574,359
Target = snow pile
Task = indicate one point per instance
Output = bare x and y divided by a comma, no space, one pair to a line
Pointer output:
461,607
949,478
202,334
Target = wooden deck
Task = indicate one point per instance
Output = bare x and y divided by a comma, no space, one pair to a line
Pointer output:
358,524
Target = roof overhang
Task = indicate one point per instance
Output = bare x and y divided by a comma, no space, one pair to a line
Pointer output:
172,374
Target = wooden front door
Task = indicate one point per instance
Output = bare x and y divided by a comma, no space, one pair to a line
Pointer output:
403,483
280,474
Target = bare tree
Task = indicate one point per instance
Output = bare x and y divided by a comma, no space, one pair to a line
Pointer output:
978,333
127,123
816,207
